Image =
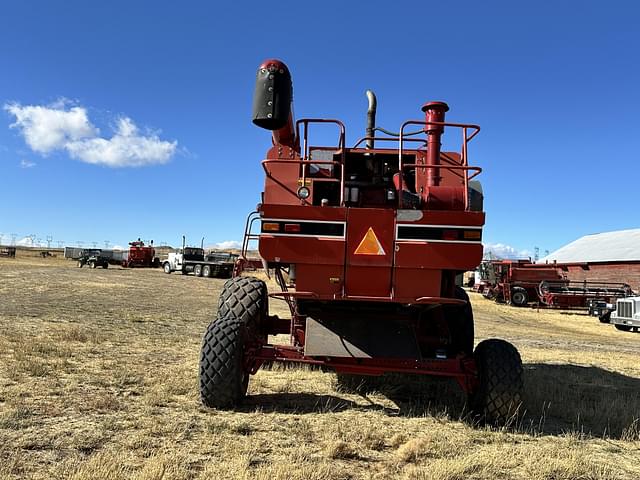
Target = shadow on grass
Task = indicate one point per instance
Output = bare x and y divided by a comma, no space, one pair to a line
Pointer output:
557,399
301,403
590,400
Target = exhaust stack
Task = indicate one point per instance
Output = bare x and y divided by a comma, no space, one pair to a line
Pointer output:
371,118
434,112
272,102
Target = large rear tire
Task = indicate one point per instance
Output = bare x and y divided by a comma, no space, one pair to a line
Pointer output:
197,270
167,268
244,298
223,378
206,271
519,297
499,394
241,309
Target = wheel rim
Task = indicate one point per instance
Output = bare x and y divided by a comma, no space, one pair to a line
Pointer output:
518,298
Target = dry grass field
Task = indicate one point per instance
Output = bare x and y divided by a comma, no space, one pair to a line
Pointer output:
98,380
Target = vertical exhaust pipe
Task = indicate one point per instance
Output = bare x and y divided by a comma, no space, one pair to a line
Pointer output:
371,118
434,112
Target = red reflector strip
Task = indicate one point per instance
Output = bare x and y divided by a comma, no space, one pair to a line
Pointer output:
292,227
271,227
450,234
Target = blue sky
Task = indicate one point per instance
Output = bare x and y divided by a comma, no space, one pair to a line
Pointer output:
167,86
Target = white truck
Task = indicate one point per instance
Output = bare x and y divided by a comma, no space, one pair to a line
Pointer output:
194,260
626,316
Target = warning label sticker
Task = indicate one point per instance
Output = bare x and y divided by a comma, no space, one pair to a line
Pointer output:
369,245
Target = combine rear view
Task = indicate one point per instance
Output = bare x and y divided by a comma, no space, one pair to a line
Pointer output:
366,244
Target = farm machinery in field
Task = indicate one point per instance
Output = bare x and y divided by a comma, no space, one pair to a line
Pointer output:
520,282
141,255
93,257
365,244
195,260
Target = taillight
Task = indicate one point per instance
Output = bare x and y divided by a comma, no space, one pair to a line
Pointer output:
450,235
292,227
472,234
271,227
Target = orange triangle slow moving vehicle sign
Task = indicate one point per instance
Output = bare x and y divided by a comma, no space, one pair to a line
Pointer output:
369,245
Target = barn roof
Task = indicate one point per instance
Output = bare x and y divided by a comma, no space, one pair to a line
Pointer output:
620,246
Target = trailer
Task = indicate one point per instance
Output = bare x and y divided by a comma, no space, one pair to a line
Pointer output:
366,244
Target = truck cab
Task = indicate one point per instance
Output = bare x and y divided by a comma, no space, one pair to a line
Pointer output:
175,262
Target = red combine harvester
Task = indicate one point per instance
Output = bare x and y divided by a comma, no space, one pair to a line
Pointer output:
365,244
517,281
141,255
520,282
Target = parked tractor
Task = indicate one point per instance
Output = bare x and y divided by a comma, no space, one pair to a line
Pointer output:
365,243
94,258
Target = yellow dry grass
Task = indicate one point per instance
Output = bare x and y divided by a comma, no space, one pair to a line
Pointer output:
98,379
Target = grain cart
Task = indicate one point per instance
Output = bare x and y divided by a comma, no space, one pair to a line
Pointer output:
141,255
365,244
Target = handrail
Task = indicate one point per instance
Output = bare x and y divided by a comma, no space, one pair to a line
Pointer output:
252,217
305,147
463,154
388,139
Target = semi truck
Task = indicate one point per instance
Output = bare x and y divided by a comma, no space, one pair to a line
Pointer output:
195,260
626,316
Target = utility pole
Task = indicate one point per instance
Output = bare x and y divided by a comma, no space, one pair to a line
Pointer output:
536,254
60,243
49,240
13,238
106,244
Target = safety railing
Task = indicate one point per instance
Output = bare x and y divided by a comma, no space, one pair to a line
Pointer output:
463,166
462,169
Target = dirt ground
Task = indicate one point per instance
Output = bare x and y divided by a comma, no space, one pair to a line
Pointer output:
98,379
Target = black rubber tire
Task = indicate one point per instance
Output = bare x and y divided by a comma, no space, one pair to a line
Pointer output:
197,270
460,322
105,265
223,380
166,268
92,264
244,298
80,264
606,318
206,271
499,394
623,328
519,297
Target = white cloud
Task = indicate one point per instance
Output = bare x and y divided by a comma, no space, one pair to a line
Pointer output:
127,148
228,244
24,163
49,128
502,250
57,127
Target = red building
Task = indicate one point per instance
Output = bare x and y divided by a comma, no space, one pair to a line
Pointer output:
604,257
